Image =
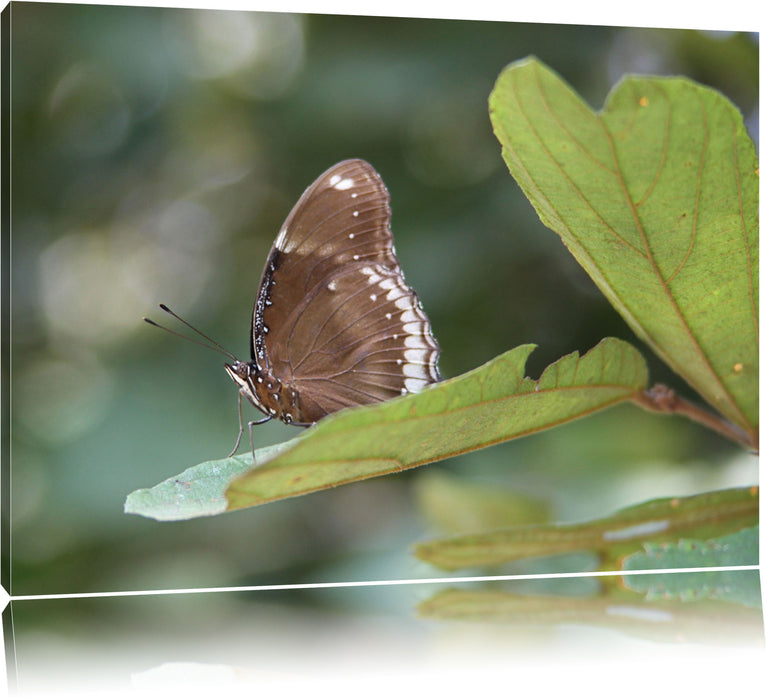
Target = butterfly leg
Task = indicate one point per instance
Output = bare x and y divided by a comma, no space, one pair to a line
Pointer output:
250,428
250,432
240,434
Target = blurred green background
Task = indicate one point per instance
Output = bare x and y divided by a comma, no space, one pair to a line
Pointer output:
155,154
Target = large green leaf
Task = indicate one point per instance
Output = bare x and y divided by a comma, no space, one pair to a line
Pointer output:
657,198
664,520
493,403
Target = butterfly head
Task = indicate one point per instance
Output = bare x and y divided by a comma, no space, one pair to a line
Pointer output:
266,392
241,374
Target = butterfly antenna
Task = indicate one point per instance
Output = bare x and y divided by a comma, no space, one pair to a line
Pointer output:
211,344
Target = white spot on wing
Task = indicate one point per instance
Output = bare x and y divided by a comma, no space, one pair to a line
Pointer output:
413,386
281,242
415,341
341,184
416,355
415,372
373,276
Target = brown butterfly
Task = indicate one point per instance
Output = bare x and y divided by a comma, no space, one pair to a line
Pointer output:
334,323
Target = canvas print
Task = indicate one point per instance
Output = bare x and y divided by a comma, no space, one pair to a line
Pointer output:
468,300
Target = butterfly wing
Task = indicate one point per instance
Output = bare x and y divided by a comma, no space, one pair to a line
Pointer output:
334,316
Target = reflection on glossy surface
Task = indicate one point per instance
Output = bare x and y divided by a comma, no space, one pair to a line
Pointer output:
699,607
345,635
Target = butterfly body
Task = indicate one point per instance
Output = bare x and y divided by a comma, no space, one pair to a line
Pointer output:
334,323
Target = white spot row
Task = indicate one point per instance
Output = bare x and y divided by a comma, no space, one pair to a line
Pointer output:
421,352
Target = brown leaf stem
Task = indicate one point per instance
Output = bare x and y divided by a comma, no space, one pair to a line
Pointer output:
662,399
